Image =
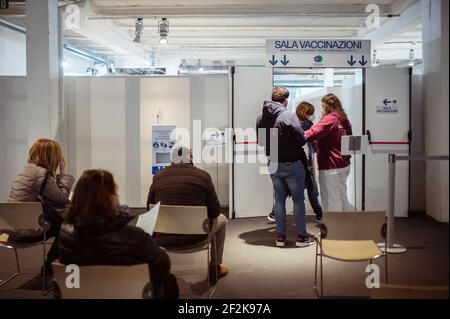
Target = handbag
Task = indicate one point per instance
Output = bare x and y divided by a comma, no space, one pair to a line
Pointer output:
52,211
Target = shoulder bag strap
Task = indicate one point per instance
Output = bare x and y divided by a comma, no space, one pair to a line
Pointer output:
44,183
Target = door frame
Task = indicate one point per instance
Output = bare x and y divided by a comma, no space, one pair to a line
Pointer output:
232,113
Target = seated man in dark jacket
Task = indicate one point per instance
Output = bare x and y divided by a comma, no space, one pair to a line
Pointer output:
182,183
96,233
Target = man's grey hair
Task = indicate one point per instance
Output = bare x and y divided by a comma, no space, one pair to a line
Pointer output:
181,155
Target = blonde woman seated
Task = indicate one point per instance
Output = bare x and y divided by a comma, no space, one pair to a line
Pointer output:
44,177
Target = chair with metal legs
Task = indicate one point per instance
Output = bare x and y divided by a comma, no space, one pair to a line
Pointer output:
351,237
189,220
103,282
22,216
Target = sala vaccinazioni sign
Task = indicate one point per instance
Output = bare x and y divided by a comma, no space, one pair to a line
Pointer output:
319,44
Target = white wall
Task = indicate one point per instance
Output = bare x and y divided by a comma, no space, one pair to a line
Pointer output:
110,122
77,94
209,104
169,96
13,130
108,128
436,99
13,56
13,59
352,104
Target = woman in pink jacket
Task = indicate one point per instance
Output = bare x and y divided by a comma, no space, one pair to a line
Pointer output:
334,167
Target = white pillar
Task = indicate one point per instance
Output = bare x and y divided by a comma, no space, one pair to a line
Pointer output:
42,69
435,98
133,142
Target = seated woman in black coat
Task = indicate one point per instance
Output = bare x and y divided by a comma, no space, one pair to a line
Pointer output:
96,232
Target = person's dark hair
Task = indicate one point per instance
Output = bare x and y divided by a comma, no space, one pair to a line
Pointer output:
331,103
93,198
304,109
280,94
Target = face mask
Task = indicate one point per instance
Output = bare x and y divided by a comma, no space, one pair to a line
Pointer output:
311,118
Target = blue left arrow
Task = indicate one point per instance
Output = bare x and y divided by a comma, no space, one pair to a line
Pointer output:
273,61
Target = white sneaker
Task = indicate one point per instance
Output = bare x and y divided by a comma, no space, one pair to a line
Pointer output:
281,241
271,218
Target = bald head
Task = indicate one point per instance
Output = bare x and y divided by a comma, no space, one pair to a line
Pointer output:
181,155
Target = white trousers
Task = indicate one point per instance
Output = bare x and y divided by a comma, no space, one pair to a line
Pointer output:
333,189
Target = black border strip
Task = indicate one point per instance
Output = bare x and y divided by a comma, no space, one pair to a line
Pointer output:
410,71
363,157
233,212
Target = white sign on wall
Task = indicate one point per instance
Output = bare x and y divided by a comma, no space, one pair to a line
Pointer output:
327,53
215,138
388,106
162,144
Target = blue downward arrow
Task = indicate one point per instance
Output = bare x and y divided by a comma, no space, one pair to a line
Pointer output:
284,61
273,61
363,61
351,61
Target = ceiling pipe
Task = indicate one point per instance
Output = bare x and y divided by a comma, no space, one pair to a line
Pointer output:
86,54
68,47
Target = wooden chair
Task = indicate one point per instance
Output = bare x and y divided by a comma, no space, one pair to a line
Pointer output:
20,216
102,282
188,220
349,236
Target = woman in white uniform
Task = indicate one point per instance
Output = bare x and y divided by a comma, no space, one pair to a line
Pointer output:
334,167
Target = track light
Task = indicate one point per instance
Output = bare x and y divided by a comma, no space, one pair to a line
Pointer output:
139,30
163,29
412,60
199,65
182,65
110,67
152,61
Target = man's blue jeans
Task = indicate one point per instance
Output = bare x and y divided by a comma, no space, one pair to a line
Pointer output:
289,179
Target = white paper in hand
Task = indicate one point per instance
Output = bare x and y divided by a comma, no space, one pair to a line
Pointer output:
147,221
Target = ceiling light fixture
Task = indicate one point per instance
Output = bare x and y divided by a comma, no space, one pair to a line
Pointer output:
163,29
139,30
183,65
199,65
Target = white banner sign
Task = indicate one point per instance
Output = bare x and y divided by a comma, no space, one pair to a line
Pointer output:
291,53
388,106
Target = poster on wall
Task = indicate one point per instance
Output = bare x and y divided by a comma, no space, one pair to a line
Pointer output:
162,144
215,138
389,106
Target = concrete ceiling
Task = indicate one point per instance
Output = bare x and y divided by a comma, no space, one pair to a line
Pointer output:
223,30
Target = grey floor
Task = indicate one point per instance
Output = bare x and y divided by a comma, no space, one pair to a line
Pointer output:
258,269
